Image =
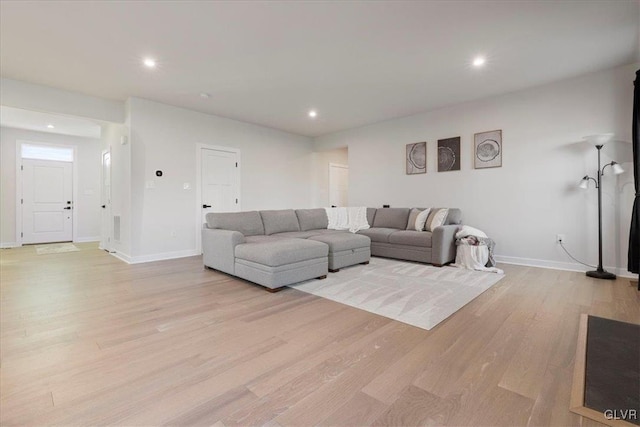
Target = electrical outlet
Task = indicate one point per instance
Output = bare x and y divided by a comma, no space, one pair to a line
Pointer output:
560,238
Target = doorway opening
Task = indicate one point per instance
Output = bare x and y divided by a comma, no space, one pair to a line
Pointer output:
106,228
338,185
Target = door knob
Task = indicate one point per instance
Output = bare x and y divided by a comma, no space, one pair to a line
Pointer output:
68,207
104,206
206,206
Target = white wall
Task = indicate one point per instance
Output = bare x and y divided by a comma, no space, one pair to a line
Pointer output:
533,196
275,172
320,177
29,96
87,204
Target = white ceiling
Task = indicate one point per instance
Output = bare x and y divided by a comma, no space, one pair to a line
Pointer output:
34,120
268,63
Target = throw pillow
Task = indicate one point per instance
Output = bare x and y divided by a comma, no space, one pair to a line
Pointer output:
421,219
437,217
413,214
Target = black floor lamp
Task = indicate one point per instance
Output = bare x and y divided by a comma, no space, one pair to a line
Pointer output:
599,141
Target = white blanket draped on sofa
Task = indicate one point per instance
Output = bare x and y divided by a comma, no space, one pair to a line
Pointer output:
353,219
474,250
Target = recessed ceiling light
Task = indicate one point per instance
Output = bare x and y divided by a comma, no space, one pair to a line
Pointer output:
478,61
50,126
205,95
313,114
149,63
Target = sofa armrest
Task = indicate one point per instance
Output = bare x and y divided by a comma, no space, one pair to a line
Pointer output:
443,244
219,247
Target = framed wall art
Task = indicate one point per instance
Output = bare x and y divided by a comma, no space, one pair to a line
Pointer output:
449,154
416,158
487,152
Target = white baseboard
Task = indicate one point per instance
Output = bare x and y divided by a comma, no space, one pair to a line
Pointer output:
154,257
559,265
86,239
7,245
122,257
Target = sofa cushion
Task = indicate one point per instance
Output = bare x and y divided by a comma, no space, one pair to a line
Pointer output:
454,217
247,223
343,241
279,221
281,251
327,231
296,234
260,239
371,214
378,234
311,219
391,218
411,238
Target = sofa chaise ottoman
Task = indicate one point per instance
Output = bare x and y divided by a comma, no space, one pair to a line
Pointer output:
235,243
345,248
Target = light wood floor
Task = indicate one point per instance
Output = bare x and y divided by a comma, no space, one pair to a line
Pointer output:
88,340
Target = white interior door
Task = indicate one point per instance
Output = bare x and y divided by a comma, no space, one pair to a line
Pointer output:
338,185
47,201
220,181
106,222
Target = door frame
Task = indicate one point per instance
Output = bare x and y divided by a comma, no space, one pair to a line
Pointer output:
74,190
109,231
337,165
198,189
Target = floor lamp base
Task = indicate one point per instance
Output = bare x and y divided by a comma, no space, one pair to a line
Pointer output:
601,275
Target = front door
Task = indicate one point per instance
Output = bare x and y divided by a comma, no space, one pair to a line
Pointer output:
47,201
220,183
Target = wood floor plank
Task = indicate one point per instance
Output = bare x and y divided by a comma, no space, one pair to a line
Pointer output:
526,369
550,407
417,407
360,410
212,411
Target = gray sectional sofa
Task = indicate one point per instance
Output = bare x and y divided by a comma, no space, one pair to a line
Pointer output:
277,248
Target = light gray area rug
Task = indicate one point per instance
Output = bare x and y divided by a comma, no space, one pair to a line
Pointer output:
418,294
56,248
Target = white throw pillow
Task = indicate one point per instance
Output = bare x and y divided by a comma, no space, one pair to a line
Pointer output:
421,219
437,217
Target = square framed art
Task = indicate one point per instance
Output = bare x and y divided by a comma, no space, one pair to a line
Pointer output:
487,149
449,154
416,158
